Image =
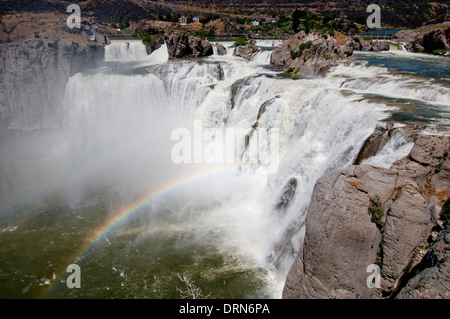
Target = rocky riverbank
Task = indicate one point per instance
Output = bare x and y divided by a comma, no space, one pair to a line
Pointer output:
429,39
391,217
313,54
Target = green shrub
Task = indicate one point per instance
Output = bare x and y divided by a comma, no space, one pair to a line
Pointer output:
439,52
202,33
295,55
124,25
439,167
243,20
368,38
293,76
147,39
240,41
289,73
305,45
376,211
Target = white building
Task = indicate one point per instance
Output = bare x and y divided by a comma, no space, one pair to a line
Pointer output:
183,20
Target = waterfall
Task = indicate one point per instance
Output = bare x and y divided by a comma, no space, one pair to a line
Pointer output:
396,46
319,128
230,225
133,51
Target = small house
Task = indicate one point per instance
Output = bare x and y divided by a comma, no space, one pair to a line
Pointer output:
183,20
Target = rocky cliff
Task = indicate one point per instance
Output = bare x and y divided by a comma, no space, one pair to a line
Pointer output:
367,215
430,278
33,75
429,39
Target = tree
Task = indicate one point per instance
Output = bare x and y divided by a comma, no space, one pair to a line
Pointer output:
296,17
240,41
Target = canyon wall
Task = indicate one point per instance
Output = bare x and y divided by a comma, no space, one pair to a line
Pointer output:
33,75
365,215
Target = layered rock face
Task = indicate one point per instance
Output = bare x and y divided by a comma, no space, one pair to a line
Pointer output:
367,215
181,45
33,75
430,278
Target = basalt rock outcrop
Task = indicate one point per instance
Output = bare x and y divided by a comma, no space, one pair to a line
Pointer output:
308,55
357,43
221,50
33,75
180,45
365,215
247,51
430,278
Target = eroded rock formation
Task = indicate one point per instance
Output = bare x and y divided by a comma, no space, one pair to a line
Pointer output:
180,45
343,237
33,75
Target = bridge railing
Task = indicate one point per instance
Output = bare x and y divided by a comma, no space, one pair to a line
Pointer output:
374,35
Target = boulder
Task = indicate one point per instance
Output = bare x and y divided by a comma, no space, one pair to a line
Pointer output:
247,51
377,46
180,45
221,50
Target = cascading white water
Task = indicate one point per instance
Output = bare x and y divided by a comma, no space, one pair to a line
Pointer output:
133,51
237,227
398,147
117,134
319,128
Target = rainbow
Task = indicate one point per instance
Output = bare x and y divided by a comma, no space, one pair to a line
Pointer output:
125,212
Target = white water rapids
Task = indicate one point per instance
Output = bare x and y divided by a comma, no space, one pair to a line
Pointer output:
117,135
